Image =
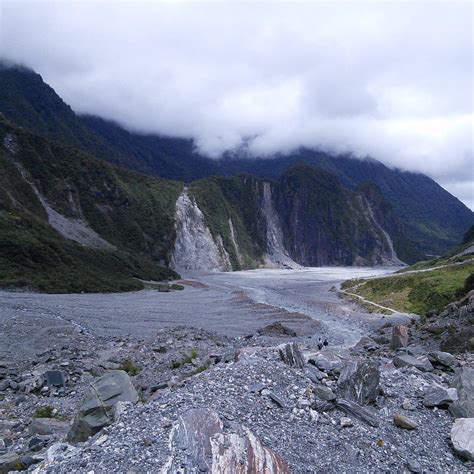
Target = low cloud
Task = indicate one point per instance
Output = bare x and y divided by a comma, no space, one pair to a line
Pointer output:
392,80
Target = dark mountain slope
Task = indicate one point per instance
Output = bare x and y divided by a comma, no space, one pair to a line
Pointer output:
434,219
70,222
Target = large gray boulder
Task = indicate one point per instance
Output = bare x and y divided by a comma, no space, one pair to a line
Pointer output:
291,355
464,384
10,462
97,409
462,437
444,359
359,381
406,360
440,396
400,337
200,443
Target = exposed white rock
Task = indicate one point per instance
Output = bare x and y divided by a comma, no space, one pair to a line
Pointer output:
462,437
195,248
234,241
277,256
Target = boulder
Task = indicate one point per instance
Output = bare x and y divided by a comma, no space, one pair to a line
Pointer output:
406,360
358,411
464,384
10,462
199,443
462,437
366,344
314,374
324,393
359,381
55,378
400,337
97,409
276,329
404,422
291,355
48,426
444,359
440,396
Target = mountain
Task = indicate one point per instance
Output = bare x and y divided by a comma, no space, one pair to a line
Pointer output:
434,219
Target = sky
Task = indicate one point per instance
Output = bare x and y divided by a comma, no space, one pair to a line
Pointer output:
392,80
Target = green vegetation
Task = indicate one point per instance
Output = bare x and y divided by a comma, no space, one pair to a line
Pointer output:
129,366
417,293
44,412
132,212
236,198
186,359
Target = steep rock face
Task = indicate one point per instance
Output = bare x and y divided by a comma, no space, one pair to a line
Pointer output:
195,248
325,224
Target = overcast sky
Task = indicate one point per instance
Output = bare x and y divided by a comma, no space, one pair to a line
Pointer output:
392,80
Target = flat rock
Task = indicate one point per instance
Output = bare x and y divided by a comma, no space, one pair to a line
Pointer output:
199,443
324,393
464,384
366,344
444,359
314,374
97,409
462,437
48,426
440,397
359,381
409,361
358,411
10,462
404,422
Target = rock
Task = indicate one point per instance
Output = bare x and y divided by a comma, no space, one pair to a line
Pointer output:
4,385
97,409
256,387
276,399
59,451
55,378
10,462
442,358
346,422
48,426
324,364
276,329
440,396
324,393
462,437
413,465
314,374
199,443
367,344
464,384
322,406
400,337
291,355
409,361
358,411
36,444
404,422
359,381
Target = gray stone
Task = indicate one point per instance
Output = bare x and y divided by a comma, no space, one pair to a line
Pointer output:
4,385
409,361
97,409
200,444
276,329
358,411
277,400
324,393
462,437
256,387
404,422
48,426
314,374
346,422
440,396
291,355
444,359
55,378
413,465
10,462
366,344
400,337
359,381
464,384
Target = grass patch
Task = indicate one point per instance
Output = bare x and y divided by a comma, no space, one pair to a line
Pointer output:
129,366
186,359
417,293
44,412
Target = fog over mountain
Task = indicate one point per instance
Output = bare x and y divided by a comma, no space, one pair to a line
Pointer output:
390,80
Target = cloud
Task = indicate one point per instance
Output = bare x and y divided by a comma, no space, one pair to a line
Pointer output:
392,80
